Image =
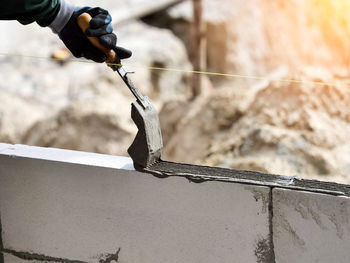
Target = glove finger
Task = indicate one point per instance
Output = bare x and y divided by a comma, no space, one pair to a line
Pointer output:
109,41
96,11
104,30
100,20
122,53
80,10
90,52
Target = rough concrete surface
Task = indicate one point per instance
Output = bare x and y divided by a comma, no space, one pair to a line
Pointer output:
55,210
310,227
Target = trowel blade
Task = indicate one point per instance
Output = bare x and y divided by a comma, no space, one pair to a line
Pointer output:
147,145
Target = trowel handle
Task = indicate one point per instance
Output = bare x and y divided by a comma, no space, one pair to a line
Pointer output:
84,23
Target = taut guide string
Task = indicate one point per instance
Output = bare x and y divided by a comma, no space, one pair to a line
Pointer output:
347,85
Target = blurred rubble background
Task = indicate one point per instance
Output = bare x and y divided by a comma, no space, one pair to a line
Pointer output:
289,128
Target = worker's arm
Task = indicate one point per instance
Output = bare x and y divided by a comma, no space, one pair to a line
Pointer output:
61,17
28,11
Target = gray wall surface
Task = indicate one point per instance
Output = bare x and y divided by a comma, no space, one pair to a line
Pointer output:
311,227
98,209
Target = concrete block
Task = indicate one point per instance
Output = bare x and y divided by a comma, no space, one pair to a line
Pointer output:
310,227
87,213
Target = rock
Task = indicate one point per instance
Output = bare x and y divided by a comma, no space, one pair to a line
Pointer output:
154,49
100,125
287,128
17,114
253,37
290,129
190,127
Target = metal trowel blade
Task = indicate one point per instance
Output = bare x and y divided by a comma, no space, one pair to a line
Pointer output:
147,145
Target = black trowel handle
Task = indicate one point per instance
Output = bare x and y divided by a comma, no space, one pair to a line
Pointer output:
84,23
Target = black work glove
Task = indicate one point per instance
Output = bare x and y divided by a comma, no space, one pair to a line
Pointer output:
100,27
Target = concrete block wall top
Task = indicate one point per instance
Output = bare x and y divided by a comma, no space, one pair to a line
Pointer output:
4,146
64,212
66,156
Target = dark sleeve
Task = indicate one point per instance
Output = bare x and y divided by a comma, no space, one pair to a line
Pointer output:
27,11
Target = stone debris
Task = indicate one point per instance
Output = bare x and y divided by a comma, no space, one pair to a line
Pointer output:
288,129
99,125
17,114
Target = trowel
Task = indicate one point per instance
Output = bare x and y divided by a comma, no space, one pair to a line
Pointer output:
147,145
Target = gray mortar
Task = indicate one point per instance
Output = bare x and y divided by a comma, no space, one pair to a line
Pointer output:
201,174
147,145
271,242
264,248
1,244
110,258
260,195
39,257
263,251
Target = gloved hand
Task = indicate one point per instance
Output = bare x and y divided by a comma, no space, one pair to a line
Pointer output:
100,27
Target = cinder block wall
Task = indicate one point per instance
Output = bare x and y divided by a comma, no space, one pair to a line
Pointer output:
66,206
